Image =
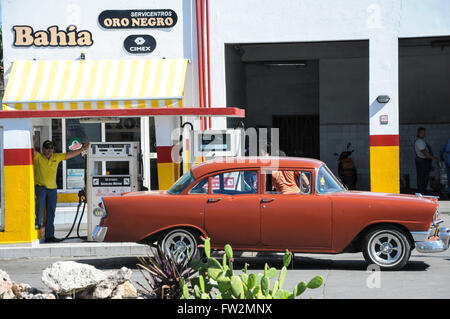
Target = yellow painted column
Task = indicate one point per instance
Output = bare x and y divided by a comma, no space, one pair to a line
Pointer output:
384,164
18,197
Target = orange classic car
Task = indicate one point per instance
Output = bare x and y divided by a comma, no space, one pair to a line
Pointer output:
244,202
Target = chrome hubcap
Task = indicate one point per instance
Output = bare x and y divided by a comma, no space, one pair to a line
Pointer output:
386,248
179,245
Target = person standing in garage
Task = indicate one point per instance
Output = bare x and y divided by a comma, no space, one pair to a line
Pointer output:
445,157
424,158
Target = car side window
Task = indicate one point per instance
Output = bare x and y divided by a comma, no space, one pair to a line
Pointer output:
200,188
235,183
286,181
327,182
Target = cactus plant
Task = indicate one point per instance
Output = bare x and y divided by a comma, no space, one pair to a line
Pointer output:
165,273
217,280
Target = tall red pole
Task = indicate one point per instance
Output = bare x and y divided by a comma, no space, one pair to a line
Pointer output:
202,27
199,45
208,57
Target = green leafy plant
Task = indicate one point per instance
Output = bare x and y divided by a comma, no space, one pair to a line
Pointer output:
165,273
218,280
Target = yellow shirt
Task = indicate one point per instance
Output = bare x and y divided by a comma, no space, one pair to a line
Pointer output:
45,169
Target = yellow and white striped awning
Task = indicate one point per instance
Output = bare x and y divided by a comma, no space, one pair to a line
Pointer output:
95,84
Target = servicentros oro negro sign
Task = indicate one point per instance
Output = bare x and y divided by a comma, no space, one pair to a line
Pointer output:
128,19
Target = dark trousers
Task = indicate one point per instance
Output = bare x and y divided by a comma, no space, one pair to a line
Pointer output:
47,197
448,176
423,168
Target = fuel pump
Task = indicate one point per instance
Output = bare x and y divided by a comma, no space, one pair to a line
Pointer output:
112,168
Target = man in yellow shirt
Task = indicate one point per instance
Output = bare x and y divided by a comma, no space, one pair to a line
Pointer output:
45,169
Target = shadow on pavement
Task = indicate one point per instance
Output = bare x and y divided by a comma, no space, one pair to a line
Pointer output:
308,263
108,263
258,262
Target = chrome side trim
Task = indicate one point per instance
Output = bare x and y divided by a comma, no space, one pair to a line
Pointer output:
426,196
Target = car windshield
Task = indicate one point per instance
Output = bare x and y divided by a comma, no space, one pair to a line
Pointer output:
181,184
326,182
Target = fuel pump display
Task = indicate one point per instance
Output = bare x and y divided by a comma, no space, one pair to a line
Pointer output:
112,169
218,143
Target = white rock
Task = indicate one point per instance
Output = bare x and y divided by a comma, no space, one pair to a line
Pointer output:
125,290
37,296
67,277
115,278
5,286
4,277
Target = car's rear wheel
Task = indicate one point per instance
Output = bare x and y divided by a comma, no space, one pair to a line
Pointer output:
386,246
180,243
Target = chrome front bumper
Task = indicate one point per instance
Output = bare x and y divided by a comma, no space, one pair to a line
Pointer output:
99,233
423,245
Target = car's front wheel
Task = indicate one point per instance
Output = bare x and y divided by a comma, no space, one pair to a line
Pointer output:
386,246
180,243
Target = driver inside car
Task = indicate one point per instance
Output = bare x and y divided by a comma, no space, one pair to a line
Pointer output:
286,182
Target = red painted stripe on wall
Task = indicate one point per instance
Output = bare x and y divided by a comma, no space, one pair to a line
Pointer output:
18,156
164,154
194,111
384,140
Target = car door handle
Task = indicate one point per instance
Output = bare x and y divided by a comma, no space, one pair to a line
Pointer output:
213,200
267,200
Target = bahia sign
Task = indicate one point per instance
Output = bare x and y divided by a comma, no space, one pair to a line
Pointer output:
25,36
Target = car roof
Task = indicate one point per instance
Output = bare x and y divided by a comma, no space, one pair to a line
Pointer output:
253,162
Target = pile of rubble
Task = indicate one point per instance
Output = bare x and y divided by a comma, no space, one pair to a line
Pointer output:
69,279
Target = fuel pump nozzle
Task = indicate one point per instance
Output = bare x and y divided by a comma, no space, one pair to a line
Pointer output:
82,200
